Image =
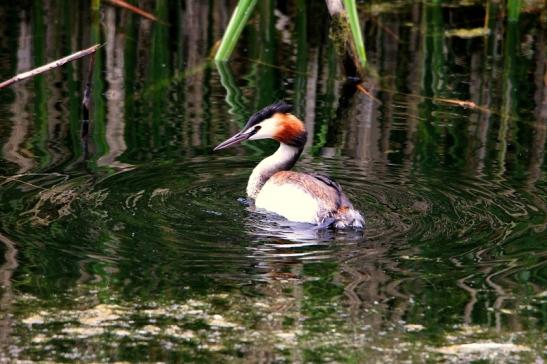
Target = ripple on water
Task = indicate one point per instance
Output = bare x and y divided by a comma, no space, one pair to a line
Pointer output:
193,215
440,249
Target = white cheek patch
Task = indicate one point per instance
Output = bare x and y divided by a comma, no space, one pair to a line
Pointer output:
268,128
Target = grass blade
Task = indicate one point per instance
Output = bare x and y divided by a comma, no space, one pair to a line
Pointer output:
513,10
241,14
355,27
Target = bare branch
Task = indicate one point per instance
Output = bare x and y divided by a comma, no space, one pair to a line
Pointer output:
50,66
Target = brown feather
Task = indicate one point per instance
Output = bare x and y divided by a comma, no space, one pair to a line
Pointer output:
291,130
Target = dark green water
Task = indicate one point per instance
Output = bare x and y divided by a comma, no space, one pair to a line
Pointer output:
138,246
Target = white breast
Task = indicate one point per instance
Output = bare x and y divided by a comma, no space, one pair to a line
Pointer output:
289,201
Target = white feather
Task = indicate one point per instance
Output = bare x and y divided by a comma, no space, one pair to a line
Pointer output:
268,128
268,166
289,201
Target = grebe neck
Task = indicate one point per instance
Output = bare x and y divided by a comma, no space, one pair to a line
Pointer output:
282,160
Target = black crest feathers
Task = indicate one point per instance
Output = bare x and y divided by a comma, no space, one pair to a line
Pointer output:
267,112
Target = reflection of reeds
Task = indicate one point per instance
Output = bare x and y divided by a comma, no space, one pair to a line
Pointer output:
98,116
267,79
540,125
328,88
40,132
513,10
481,82
431,85
115,127
509,91
158,75
13,149
7,321
302,52
315,85
234,98
196,48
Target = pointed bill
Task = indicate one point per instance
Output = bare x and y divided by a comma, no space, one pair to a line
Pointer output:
236,139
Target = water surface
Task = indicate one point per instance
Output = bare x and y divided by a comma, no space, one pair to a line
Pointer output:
137,244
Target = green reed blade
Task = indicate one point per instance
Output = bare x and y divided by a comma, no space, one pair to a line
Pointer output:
73,87
302,51
353,18
241,14
513,10
234,98
159,74
41,87
98,110
266,78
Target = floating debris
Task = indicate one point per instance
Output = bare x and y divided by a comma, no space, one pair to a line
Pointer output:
121,333
219,321
40,338
467,33
83,332
288,336
414,327
150,330
99,314
483,348
34,320
466,104
176,332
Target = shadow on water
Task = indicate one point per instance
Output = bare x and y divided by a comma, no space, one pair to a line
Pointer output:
143,248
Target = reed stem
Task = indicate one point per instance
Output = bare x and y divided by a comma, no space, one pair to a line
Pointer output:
237,22
513,10
353,18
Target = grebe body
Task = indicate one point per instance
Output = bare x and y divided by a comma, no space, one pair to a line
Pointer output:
299,197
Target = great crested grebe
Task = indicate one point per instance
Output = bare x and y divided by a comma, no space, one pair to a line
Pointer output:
299,197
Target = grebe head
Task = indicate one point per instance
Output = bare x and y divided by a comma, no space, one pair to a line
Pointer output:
272,122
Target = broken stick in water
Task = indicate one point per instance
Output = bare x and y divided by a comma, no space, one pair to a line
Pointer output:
50,66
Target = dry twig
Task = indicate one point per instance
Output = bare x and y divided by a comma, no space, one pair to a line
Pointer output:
362,88
463,103
136,10
50,66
